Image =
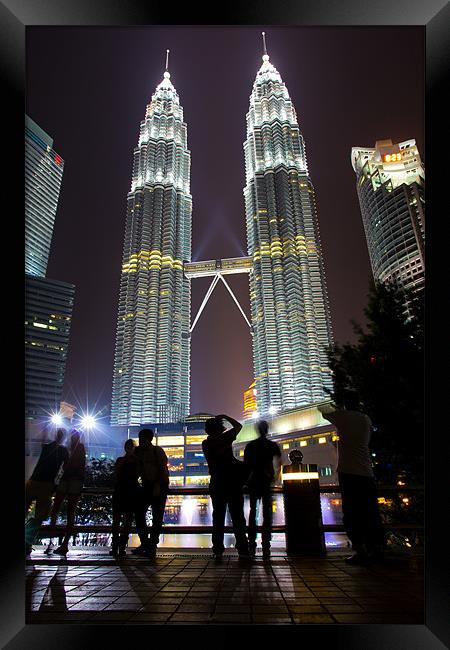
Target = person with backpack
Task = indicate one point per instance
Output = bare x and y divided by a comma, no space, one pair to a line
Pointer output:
227,478
154,475
259,458
41,485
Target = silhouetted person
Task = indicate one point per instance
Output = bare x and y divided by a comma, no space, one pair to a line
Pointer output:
41,485
70,487
259,458
125,495
154,473
225,487
360,510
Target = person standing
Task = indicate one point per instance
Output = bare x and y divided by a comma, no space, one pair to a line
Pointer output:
225,488
361,517
70,486
126,491
259,457
154,474
41,485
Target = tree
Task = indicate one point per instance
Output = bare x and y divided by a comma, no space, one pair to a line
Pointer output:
96,508
385,369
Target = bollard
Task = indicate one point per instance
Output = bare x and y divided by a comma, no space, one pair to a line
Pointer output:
302,511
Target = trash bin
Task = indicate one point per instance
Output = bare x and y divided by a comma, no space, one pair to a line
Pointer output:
302,511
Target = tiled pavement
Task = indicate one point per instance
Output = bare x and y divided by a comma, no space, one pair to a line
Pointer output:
188,587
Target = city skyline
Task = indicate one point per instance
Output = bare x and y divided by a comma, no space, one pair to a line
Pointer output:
229,374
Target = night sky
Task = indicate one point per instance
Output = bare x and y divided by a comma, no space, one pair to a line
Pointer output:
88,88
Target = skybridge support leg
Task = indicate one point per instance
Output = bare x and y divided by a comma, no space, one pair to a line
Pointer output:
235,299
205,300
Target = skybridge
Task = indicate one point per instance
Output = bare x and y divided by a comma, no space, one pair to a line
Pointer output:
217,269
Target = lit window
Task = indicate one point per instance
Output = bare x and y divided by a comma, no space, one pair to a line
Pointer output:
170,440
322,440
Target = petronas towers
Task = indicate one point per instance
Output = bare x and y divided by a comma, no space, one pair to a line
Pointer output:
290,315
151,369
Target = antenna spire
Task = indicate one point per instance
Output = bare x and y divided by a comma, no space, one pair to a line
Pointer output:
264,43
167,60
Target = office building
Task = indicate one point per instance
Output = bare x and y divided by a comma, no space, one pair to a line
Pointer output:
48,314
43,176
390,181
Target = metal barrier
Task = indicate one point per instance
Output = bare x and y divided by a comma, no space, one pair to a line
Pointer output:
54,531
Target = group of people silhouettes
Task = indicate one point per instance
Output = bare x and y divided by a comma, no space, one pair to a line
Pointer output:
55,462
141,481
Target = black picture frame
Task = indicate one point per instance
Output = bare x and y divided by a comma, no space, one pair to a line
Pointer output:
15,16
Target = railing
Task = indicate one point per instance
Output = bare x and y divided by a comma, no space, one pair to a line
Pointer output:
49,531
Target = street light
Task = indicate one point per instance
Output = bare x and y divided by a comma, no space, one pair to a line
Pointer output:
88,422
56,419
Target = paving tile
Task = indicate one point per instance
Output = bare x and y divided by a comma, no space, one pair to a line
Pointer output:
312,618
228,617
306,609
189,617
123,607
338,608
270,609
149,617
109,616
87,606
159,607
271,620
195,607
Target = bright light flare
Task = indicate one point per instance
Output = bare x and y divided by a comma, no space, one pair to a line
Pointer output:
56,419
88,422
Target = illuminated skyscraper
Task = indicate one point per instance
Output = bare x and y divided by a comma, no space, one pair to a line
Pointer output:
290,313
249,402
43,176
391,190
48,303
48,315
151,369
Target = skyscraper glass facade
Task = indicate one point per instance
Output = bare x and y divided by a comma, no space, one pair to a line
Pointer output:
43,176
48,314
151,370
391,190
290,313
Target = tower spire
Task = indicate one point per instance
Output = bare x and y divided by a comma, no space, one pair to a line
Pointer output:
167,73
264,42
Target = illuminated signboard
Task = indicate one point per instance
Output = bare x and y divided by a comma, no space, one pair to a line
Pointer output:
392,157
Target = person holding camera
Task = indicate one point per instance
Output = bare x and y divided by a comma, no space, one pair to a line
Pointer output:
227,479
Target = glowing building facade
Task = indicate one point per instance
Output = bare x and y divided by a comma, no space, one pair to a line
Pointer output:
48,315
391,190
151,369
290,313
43,176
250,402
48,303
